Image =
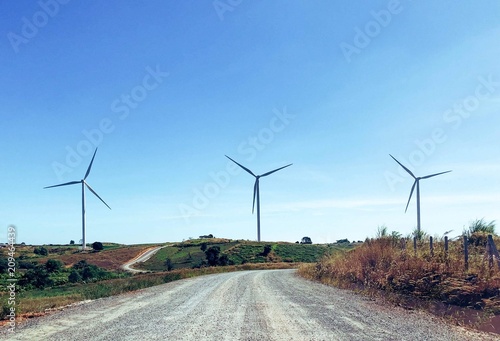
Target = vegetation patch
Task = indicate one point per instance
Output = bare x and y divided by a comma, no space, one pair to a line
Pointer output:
193,253
384,265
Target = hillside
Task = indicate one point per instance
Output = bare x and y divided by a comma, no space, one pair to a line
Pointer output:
190,254
111,258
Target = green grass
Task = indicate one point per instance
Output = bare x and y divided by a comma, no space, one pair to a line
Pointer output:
189,254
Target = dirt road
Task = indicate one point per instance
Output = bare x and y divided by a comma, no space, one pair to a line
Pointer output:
249,305
140,259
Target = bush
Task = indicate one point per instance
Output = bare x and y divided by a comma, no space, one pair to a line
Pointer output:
223,260
74,276
97,246
168,264
26,265
3,265
40,251
267,249
53,265
88,272
37,277
212,255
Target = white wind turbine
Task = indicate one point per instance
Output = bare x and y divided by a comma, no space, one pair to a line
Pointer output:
417,184
84,183
256,190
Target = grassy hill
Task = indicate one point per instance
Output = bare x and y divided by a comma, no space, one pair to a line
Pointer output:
190,254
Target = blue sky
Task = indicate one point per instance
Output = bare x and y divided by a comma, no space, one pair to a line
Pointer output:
166,88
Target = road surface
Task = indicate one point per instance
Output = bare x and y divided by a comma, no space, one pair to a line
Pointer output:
250,305
140,259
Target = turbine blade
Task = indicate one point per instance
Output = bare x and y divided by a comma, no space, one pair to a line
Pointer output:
411,193
90,166
248,170
65,184
430,176
255,193
271,172
90,188
406,169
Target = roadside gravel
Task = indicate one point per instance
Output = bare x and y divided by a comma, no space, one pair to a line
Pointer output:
247,305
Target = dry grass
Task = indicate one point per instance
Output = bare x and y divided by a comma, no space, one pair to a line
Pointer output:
108,259
383,265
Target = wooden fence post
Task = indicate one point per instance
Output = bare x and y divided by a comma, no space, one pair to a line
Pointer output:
431,246
415,245
466,254
446,248
492,248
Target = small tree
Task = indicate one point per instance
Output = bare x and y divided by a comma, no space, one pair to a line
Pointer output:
212,255
71,242
168,264
306,240
53,265
74,276
223,260
203,247
267,249
97,246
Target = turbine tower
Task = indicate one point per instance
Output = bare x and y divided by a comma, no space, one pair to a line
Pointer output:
256,190
417,184
84,183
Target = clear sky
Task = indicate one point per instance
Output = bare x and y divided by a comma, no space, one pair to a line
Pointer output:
166,88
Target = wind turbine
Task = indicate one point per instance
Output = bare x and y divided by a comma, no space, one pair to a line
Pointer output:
416,183
84,183
256,190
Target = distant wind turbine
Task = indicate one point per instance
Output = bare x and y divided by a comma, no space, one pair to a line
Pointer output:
84,183
416,183
256,190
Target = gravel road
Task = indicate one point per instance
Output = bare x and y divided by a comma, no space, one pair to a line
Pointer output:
141,259
249,305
